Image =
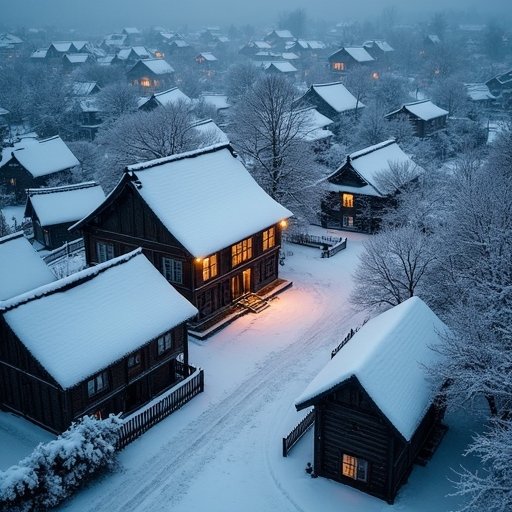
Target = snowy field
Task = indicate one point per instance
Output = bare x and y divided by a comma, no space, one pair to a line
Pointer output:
222,451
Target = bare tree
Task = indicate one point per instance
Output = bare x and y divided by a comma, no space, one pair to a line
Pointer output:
117,99
270,132
240,78
391,268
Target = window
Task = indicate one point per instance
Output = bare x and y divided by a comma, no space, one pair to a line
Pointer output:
145,82
338,66
348,221
97,384
348,200
241,252
104,251
172,270
209,267
269,238
12,181
355,468
134,360
164,343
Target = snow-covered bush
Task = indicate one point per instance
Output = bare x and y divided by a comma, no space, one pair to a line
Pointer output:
55,469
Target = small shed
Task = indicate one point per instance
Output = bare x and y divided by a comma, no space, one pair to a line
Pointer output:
375,405
425,116
54,209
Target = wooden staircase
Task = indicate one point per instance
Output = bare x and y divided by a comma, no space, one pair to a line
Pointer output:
433,441
253,303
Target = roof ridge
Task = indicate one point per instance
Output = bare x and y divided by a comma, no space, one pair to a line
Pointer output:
180,156
328,83
70,282
63,188
12,236
371,149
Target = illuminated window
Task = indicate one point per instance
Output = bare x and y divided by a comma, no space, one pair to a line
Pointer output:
375,75
269,238
172,270
209,267
338,66
97,384
164,343
348,221
241,252
348,200
355,468
145,82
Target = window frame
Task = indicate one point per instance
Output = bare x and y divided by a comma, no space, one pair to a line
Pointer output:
241,252
347,200
104,247
269,238
164,343
355,468
101,377
138,360
348,221
173,274
210,267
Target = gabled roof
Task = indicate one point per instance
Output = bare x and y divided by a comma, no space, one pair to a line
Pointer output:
282,67
77,58
168,97
131,30
358,53
372,161
85,88
207,56
46,157
21,268
382,45
479,92
40,53
337,96
3,111
83,323
59,205
219,101
281,34
388,356
314,125
9,39
189,194
424,110
210,132
156,66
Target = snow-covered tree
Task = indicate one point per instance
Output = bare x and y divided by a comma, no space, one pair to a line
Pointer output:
240,78
117,99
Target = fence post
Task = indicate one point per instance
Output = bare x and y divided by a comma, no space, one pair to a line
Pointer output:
285,451
201,381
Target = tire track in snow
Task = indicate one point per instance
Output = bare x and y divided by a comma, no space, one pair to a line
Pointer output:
167,475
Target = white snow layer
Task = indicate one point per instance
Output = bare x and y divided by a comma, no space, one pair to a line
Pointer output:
388,356
76,332
46,157
66,204
337,96
208,201
21,268
424,110
359,54
158,66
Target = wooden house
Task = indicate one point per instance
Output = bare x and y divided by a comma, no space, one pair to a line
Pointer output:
164,98
21,268
202,221
378,49
151,74
500,86
105,340
131,55
331,99
53,210
279,38
113,42
11,46
207,62
33,165
479,95
58,49
71,61
355,196
425,116
181,50
281,68
348,58
375,407
253,47
133,35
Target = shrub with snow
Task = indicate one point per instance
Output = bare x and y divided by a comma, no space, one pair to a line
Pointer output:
55,469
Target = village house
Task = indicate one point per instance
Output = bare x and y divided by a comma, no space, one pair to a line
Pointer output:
331,99
21,268
348,58
281,68
425,116
219,102
500,86
151,74
105,340
208,63
279,38
113,42
164,98
58,49
11,46
253,47
356,192
378,49
33,165
130,56
175,209
53,210
376,412
133,35
181,50
71,61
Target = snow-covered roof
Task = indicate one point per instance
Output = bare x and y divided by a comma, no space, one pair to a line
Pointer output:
382,45
207,56
123,53
283,34
337,96
388,357
262,45
170,97
283,67
70,203
211,133
309,45
290,56
315,124
83,323
39,53
77,58
46,157
219,101
84,88
434,38
131,30
21,268
180,43
358,53
479,92
141,52
157,66
424,110
9,39
3,111
208,179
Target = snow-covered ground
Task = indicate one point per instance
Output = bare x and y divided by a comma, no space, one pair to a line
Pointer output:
222,451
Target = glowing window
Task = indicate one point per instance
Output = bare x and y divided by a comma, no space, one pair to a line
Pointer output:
338,66
241,252
354,468
145,82
269,238
209,267
348,200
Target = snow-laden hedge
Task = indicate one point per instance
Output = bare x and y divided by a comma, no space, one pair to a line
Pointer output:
55,469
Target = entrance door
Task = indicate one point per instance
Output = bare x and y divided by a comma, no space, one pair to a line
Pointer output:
241,284
247,280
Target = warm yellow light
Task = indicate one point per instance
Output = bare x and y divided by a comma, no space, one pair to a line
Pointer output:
198,260
284,224
375,75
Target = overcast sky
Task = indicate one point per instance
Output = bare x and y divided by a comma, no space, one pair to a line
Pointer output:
197,13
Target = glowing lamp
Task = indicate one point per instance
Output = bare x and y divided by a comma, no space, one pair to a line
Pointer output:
198,260
284,224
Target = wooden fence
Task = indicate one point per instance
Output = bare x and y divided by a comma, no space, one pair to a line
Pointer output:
335,249
142,422
291,439
346,339
330,245
66,250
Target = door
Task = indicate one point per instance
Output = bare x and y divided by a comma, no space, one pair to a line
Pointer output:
247,280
